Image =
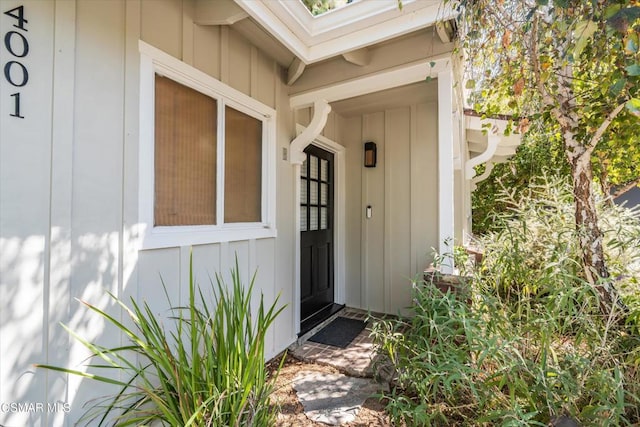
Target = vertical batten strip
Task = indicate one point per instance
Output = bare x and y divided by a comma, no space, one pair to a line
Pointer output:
254,73
387,163
187,31
413,191
364,276
128,276
60,208
184,271
224,54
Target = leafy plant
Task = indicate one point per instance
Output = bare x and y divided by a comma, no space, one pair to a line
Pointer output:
572,67
208,370
531,342
318,7
539,153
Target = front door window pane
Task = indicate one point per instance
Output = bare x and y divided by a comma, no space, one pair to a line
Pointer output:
314,218
314,192
314,167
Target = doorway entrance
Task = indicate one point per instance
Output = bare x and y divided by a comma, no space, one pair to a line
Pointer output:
317,294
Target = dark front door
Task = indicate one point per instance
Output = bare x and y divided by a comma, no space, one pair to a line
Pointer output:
316,229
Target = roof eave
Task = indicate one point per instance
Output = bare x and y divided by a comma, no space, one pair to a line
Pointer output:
315,39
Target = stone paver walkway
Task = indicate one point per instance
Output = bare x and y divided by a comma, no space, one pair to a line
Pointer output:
336,399
355,360
332,399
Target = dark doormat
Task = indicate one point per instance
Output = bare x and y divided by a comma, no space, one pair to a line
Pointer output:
340,332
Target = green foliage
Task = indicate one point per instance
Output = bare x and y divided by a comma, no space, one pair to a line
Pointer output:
530,343
572,66
520,52
318,7
544,60
540,153
208,370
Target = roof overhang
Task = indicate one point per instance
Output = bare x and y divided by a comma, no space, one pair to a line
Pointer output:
357,25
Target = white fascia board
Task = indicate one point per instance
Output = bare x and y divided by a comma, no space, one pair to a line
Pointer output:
357,25
355,13
293,14
421,14
368,36
497,126
388,79
261,12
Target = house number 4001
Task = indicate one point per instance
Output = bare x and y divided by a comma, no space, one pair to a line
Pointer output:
17,45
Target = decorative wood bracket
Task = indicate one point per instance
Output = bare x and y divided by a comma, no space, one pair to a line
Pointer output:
360,57
321,110
446,31
492,145
487,171
295,71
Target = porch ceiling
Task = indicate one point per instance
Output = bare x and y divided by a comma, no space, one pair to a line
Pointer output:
416,93
374,83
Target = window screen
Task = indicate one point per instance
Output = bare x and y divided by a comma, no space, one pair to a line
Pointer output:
242,167
185,155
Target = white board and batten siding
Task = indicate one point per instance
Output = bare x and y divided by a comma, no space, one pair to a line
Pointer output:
72,175
385,252
392,248
69,187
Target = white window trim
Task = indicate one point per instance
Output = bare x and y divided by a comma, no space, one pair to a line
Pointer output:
152,61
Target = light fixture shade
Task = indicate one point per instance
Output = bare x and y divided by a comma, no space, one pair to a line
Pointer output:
370,154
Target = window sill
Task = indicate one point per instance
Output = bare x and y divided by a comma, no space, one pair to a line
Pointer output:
168,237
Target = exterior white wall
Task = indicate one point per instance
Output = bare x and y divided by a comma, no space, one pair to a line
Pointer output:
26,225
69,189
392,247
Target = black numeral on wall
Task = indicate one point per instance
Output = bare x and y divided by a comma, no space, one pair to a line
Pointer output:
17,44
16,106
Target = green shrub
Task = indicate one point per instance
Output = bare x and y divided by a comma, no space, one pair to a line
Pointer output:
531,343
208,371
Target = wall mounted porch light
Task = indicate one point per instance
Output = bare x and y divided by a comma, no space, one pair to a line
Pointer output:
370,154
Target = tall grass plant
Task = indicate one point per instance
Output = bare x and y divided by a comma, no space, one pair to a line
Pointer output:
531,344
206,368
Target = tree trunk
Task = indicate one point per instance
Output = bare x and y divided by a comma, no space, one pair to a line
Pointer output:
591,237
605,185
587,222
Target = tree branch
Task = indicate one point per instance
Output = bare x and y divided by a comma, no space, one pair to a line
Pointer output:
535,62
603,127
